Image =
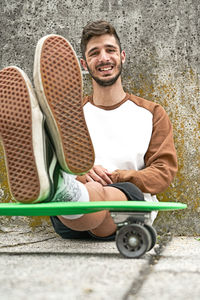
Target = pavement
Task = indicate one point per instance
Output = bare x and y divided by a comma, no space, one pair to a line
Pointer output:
38,264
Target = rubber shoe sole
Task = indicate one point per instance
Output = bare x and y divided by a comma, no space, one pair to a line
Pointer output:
21,131
58,83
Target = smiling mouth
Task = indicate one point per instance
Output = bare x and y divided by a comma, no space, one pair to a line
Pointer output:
105,68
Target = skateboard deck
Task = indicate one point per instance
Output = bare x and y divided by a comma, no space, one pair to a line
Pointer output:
70,208
134,235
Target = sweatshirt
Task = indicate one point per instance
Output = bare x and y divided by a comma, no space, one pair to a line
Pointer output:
133,139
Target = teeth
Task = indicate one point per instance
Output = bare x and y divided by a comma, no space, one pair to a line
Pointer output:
106,69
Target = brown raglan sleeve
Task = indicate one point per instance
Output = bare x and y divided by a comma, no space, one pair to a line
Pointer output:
160,158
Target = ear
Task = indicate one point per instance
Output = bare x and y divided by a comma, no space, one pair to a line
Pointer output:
83,63
123,56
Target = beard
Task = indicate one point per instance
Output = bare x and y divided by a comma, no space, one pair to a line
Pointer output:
106,82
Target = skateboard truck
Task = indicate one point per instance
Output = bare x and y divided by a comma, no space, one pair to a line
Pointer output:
135,234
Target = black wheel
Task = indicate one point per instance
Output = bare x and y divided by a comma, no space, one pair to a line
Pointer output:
133,240
153,234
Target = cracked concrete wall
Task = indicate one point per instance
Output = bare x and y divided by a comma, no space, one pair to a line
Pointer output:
161,40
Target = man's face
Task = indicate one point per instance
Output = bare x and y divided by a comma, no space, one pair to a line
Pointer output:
103,59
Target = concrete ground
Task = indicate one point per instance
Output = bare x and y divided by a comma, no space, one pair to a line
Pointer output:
40,265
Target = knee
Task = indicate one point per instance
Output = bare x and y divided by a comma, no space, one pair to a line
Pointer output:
96,191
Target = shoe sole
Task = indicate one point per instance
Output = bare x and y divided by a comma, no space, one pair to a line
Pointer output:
23,142
58,83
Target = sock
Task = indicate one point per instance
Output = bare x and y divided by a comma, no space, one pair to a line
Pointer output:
69,189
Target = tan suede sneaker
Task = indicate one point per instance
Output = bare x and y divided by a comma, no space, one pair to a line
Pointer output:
22,134
58,83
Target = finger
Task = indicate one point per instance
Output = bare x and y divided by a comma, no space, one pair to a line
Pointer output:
88,178
107,172
94,177
106,178
99,171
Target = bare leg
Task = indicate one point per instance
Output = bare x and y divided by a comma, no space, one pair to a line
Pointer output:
99,223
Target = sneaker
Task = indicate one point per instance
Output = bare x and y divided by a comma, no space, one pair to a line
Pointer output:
22,134
58,83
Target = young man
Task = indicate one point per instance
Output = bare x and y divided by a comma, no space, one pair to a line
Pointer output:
132,137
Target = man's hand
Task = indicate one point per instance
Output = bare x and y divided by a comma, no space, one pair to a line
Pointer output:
115,176
99,174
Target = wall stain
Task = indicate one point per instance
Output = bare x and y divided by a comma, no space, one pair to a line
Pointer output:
180,98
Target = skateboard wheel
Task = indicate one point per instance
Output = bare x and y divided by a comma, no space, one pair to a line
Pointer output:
133,240
153,234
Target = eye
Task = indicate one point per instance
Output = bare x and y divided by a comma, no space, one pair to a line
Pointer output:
94,53
111,50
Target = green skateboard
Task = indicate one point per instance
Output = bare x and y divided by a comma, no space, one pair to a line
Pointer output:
135,235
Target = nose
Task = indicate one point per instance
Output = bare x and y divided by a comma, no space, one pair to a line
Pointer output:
103,56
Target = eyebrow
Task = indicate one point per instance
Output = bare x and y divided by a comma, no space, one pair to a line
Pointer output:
96,48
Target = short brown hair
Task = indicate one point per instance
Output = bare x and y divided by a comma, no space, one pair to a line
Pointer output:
97,28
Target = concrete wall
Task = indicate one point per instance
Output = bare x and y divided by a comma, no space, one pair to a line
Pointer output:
161,39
